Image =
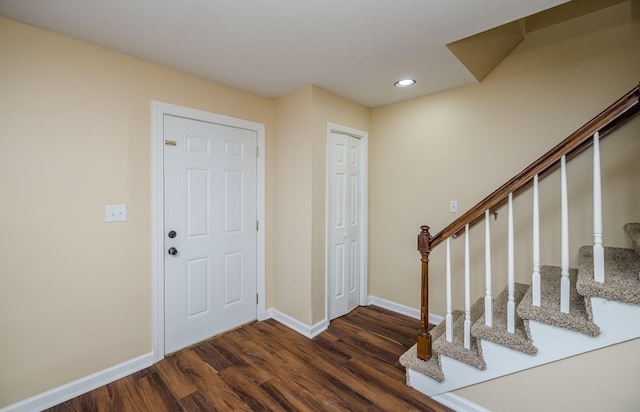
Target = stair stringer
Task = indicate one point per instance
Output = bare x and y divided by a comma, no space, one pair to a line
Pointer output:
618,322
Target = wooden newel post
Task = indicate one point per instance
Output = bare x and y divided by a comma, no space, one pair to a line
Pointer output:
424,337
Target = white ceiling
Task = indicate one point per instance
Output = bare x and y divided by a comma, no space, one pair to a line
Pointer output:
354,48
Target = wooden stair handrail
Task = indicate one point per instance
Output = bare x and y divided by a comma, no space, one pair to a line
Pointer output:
610,119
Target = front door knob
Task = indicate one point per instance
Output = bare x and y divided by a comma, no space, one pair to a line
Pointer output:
173,251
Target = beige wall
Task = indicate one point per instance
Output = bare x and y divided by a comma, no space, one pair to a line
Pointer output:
602,380
327,107
462,144
292,231
75,125
300,170
75,292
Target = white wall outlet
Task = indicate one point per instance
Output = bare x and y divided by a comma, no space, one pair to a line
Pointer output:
453,206
116,213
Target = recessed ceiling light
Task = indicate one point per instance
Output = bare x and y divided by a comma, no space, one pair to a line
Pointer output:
404,83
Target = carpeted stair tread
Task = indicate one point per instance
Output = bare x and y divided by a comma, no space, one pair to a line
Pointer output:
455,349
497,333
633,230
430,368
621,268
549,310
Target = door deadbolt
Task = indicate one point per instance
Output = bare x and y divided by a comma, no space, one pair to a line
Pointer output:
173,251
172,234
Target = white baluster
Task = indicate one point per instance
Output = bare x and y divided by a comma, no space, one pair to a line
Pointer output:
564,282
535,277
449,316
488,300
598,248
511,306
467,291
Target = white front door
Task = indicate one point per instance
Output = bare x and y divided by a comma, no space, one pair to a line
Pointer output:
344,215
210,229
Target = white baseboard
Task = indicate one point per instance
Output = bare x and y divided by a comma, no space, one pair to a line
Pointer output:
402,309
314,330
458,403
70,390
302,328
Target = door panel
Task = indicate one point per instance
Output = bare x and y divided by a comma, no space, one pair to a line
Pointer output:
233,201
353,268
232,278
339,270
197,286
197,199
210,201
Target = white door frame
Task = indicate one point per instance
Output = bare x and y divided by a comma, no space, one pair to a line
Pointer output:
158,110
364,211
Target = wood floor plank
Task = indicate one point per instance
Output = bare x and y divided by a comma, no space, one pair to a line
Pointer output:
174,378
267,335
299,398
293,372
391,386
155,394
98,400
303,347
384,326
125,396
324,385
378,316
195,402
352,366
211,386
344,333
239,379
376,395
218,357
380,341
334,349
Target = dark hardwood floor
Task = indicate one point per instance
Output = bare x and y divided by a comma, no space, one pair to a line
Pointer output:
353,366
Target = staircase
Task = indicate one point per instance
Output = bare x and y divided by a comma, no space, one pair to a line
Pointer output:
600,315
564,312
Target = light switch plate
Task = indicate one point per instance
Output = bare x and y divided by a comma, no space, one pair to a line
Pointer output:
453,206
116,213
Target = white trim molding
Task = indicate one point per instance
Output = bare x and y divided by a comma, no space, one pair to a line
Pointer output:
300,327
458,403
158,110
402,309
70,390
314,330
